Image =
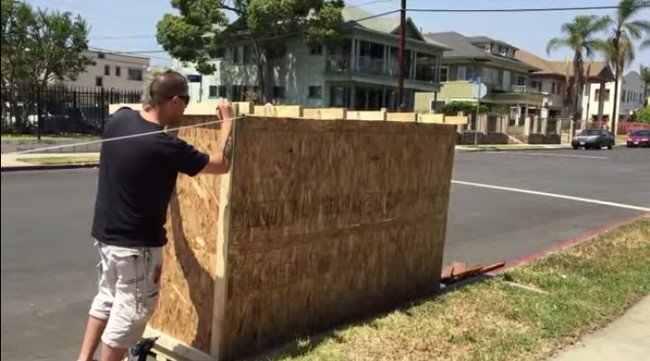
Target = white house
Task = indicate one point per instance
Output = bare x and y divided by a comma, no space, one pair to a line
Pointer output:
112,70
359,72
631,90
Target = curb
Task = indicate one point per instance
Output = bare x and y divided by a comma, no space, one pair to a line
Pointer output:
567,243
21,168
497,149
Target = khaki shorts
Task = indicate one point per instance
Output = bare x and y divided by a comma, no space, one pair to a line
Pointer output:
129,283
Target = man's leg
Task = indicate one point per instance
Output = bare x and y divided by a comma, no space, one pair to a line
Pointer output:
101,307
94,330
136,295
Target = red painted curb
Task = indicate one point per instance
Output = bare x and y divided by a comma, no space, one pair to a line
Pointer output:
567,243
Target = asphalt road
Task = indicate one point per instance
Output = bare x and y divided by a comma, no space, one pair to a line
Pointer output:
48,262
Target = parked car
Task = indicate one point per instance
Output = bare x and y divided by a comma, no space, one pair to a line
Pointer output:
593,138
639,138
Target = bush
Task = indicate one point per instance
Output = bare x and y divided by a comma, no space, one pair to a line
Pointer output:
538,138
466,107
467,138
643,115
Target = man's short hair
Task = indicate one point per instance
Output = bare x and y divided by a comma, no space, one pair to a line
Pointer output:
162,85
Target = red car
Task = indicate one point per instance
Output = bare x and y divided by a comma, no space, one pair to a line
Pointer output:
639,138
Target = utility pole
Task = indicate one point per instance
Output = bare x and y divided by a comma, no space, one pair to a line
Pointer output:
402,45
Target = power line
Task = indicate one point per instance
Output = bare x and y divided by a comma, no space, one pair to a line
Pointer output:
520,10
122,37
351,23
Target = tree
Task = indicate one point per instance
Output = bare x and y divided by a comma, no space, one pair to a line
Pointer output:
643,115
624,31
580,37
38,47
202,29
645,75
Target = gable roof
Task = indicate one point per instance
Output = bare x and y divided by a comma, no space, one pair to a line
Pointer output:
359,17
463,47
484,39
596,69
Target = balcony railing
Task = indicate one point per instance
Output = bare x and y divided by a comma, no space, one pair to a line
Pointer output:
519,89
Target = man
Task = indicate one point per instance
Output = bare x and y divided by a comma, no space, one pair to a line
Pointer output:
136,179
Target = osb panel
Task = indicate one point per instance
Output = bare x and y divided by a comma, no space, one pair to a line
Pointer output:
366,115
457,120
401,117
278,110
431,118
186,298
331,220
324,113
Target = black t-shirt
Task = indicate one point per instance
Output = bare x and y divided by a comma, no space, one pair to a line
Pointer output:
136,179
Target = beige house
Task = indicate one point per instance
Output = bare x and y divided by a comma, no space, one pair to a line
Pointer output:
553,77
112,70
493,63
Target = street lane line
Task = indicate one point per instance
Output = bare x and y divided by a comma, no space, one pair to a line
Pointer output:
548,154
554,195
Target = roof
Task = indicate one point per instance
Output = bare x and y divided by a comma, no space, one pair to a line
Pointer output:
359,17
484,39
463,47
106,51
596,69
352,14
459,44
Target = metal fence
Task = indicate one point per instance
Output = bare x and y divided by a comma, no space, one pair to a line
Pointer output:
60,110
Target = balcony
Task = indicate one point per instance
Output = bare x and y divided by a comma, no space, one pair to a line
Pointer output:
364,64
519,89
464,90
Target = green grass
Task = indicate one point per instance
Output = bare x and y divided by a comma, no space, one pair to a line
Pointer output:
60,160
24,137
581,288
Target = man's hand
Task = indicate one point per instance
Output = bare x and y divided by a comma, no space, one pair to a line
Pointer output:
224,110
220,163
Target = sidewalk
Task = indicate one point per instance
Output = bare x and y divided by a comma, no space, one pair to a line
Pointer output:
625,339
11,161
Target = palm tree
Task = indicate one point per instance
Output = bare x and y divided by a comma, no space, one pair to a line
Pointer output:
624,31
580,36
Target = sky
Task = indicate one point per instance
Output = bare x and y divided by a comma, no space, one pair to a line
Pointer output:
530,31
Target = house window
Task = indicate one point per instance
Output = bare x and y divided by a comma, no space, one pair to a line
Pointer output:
315,92
465,73
212,91
444,74
248,54
521,80
222,91
101,55
316,50
220,53
461,73
552,88
488,48
134,74
606,95
236,59
107,70
99,81
237,92
118,71
278,92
